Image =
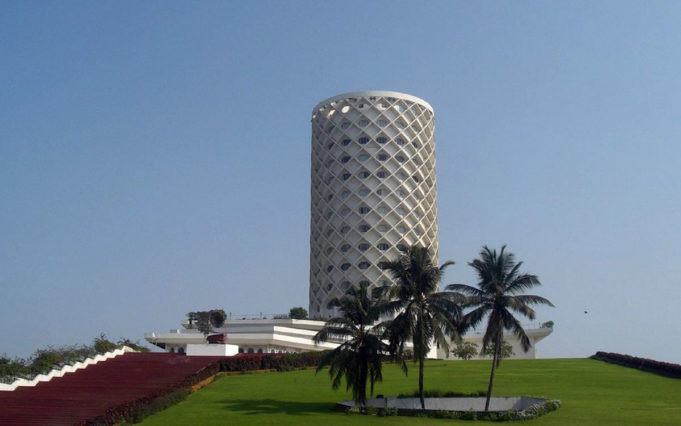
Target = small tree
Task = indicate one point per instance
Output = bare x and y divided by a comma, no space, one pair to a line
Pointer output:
297,312
505,350
206,321
465,350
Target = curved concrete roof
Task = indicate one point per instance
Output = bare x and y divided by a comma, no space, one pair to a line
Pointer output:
366,93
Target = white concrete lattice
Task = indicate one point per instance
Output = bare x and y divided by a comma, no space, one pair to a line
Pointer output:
373,189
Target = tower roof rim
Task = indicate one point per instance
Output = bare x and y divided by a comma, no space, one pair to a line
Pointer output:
365,93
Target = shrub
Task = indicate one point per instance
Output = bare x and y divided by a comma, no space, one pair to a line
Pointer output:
386,412
465,350
103,345
297,313
278,362
44,360
505,352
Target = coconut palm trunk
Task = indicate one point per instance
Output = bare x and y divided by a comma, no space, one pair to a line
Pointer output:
423,401
363,387
495,357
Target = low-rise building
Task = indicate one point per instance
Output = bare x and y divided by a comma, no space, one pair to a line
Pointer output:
293,336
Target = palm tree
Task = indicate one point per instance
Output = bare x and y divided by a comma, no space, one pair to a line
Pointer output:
358,358
423,315
497,296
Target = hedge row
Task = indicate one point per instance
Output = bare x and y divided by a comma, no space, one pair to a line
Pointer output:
135,411
650,365
278,362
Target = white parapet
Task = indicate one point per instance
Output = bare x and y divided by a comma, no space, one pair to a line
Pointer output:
65,369
205,349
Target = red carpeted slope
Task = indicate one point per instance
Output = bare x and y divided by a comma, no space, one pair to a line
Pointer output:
101,391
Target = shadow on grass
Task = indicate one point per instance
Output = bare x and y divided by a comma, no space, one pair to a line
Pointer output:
271,406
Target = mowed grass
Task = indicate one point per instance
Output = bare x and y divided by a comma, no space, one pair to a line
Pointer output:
592,392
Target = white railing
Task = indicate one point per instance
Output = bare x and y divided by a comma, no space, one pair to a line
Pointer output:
480,328
65,369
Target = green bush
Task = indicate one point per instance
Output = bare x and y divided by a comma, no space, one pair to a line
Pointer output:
386,412
465,350
158,404
278,362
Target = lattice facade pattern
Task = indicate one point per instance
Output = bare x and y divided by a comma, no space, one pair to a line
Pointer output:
373,189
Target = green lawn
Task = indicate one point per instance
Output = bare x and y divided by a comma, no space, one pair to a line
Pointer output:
592,392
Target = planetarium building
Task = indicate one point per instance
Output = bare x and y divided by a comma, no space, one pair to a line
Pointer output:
373,189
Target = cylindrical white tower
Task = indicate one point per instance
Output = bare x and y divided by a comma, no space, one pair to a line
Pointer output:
373,189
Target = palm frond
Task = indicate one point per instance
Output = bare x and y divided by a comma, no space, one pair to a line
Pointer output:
521,283
465,289
513,324
530,299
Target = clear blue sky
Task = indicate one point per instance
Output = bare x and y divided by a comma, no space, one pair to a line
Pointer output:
154,156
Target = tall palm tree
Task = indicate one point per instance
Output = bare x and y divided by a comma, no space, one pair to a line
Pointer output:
497,296
358,357
422,314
